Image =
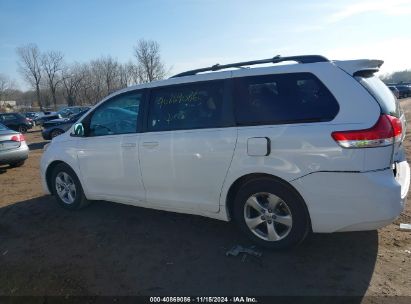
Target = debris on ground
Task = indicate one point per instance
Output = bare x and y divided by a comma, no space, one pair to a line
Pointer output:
236,250
405,227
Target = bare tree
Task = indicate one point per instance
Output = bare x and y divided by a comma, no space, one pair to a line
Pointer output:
108,70
149,64
30,67
6,87
52,64
72,78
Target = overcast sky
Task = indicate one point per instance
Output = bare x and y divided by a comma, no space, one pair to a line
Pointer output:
198,33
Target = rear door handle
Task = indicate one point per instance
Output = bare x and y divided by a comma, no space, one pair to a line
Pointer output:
150,144
128,145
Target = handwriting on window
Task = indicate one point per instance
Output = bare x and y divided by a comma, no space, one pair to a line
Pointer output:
189,97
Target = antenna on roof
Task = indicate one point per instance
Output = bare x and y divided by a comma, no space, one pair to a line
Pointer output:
275,59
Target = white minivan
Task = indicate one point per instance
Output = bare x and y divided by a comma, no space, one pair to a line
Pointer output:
283,150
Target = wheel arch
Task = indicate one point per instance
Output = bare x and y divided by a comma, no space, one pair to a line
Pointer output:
49,172
242,180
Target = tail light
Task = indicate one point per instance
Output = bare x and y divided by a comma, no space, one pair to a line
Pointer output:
386,131
18,137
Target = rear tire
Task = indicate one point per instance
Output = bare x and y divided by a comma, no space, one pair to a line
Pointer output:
22,129
271,213
67,189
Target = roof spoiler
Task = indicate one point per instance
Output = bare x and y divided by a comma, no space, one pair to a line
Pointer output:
359,67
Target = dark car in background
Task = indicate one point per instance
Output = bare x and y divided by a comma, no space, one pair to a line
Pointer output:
395,91
13,148
58,126
66,112
404,90
15,121
32,116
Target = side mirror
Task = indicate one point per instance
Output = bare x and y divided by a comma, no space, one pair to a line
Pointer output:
78,130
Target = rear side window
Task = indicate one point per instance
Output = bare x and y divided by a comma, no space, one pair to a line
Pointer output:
186,106
283,98
8,117
387,101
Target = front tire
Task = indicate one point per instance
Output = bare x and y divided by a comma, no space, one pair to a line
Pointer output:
67,189
271,213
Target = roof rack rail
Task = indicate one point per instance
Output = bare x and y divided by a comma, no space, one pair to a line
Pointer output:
276,59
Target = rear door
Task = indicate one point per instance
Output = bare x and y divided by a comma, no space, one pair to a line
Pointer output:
188,147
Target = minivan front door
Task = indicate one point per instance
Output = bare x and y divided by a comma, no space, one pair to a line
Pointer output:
108,154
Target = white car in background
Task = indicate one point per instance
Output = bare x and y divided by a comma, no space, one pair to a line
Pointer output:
282,150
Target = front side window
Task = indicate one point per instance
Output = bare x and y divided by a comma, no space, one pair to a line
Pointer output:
115,116
187,106
282,98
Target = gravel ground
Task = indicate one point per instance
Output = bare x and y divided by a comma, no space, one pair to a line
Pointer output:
113,249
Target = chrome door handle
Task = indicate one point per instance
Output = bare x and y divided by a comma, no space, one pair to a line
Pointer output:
150,144
128,145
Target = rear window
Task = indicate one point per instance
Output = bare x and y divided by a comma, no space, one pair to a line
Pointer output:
282,98
387,101
2,127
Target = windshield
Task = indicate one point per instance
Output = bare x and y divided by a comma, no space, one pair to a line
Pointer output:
388,103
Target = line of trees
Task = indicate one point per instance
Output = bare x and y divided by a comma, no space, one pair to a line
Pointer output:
54,81
397,77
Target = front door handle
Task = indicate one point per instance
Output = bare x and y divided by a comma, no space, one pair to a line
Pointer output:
150,144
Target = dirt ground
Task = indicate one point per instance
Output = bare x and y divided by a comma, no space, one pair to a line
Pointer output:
113,249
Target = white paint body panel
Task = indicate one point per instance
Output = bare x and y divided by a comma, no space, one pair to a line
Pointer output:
187,168
110,167
191,171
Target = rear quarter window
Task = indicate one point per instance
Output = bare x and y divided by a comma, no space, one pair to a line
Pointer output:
382,94
282,98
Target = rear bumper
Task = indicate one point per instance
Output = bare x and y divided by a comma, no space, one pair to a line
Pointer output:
14,155
341,201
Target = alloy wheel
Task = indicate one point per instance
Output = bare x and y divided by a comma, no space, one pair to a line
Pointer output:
268,216
65,188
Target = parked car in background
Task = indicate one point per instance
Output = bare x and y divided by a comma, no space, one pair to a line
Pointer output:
45,117
13,148
395,91
66,112
281,150
404,90
55,127
15,121
32,116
